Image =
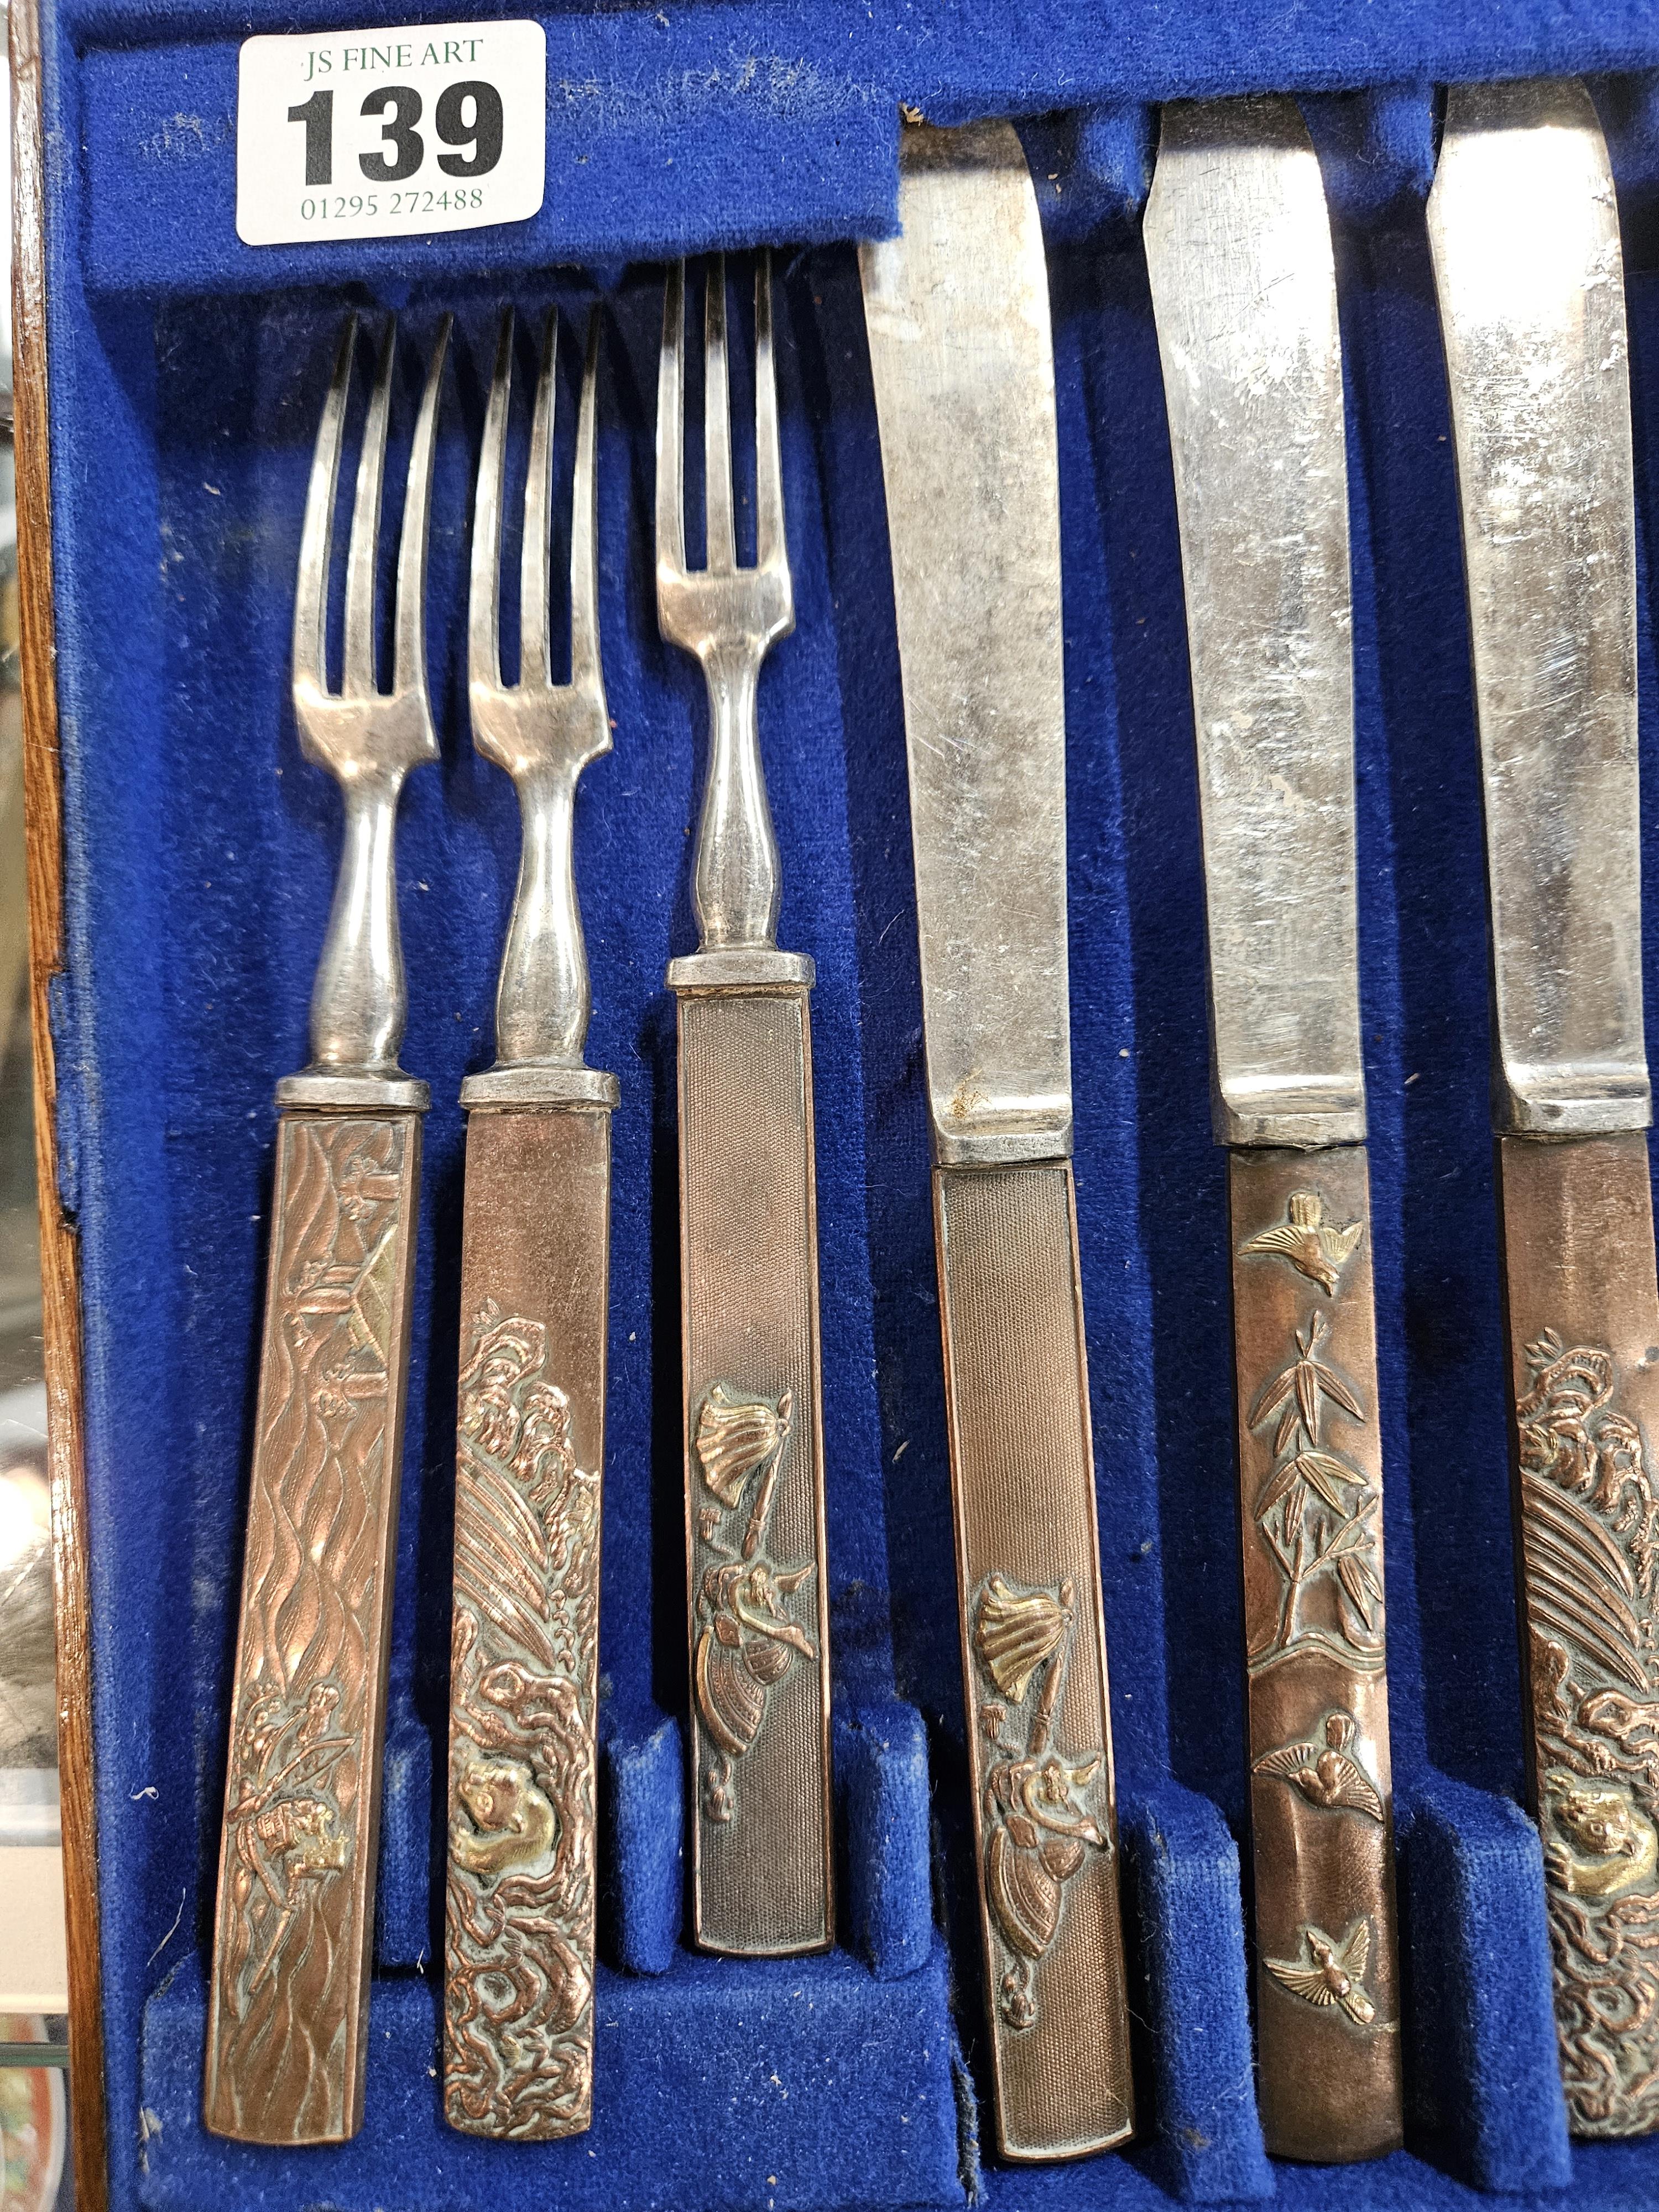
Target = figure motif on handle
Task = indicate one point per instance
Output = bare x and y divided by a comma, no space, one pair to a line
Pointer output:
1039,1826
748,1639
519,2061
1590,1535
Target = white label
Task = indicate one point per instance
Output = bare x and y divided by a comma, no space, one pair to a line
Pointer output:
390,134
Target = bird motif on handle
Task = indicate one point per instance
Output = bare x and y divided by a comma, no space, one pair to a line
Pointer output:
1332,1973
1316,1247
1327,1775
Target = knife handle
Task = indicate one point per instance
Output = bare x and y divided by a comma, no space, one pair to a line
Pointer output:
287,2017
762,1836
1582,1317
1033,1656
524,1673
1311,1479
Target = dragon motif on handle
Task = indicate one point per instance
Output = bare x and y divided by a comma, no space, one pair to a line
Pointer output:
1591,1541
519,1957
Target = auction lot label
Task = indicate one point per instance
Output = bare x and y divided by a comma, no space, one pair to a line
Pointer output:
389,134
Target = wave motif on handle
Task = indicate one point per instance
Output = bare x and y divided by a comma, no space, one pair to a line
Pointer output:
1590,1540
518,1959
286,1964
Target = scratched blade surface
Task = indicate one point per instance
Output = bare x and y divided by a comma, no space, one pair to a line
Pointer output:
957,314
1525,238
1238,247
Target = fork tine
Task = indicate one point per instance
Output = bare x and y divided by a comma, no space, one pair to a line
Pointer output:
671,425
770,543
587,669
362,556
317,534
721,557
483,637
535,656
409,632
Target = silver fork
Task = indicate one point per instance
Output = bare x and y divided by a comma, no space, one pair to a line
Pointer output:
287,2009
533,1305
754,1443
367,739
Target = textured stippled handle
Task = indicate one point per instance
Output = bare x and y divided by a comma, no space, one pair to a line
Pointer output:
1033,1656
288,2018
754,1474
524,1674
1583,1345
1310,1476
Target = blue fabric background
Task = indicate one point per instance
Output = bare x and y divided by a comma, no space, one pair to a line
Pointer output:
187,371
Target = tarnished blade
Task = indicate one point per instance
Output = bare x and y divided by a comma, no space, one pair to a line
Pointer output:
957,316
1525,238
1238,247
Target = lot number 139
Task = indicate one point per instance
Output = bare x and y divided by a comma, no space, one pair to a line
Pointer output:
389,133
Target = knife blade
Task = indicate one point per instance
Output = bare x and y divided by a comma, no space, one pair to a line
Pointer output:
956,310
1525,232
1239,249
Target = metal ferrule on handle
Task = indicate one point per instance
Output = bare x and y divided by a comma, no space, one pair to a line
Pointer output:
1524,230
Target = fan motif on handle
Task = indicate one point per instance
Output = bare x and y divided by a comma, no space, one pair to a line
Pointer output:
747,1636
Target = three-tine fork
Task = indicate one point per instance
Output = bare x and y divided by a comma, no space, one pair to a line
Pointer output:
531,1445
748,1311
288,2003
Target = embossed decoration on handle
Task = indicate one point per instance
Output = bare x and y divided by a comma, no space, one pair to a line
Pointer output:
754,1476
1034,1658
1311,1473
288,2003
519,1926
1583,1334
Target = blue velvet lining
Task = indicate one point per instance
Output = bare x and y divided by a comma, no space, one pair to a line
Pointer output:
187,371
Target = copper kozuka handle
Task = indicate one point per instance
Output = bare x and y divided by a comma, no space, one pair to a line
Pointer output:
524,1674
1033,1656
1583,1343
1310,1478
287,2019
754,1470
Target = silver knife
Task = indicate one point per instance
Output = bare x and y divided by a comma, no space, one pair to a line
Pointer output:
1239,248
957,315
1525,238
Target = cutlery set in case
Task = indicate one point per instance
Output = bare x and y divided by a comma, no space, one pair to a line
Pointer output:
616,1430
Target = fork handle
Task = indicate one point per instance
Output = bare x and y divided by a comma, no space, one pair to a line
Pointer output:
287,2017
1321,1797
1033,1656
736,886
762,1836
360,1000
545,999
523,1680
